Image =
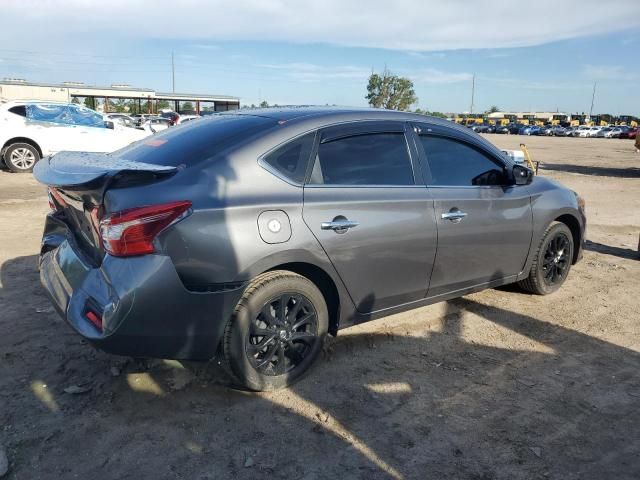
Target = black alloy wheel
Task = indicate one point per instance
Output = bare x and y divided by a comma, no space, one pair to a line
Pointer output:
555,264
277,331
283,333
551,262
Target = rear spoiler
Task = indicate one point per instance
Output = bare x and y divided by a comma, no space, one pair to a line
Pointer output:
83,169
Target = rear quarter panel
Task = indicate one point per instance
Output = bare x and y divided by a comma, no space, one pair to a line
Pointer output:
220,242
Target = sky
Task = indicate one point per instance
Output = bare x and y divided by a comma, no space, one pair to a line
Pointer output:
526,56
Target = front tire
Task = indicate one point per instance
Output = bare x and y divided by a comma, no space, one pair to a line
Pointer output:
21,157
277,331
552,261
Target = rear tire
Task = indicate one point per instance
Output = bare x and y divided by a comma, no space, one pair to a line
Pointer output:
552,261
21,157
277,331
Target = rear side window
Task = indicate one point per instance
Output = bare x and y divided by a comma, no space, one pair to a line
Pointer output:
368,159
64,114
188,144
453,163
291,160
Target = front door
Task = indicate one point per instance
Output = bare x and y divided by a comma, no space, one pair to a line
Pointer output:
484,225
371,215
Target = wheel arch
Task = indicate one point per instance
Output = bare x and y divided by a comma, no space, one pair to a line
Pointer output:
574,226
26,140
325,284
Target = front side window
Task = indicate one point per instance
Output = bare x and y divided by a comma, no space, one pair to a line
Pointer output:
453,163
367,159
291,160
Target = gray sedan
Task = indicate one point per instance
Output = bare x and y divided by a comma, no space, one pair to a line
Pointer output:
254,234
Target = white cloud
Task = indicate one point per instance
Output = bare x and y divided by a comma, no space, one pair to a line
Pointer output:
609,72
206,46
433,75
427,56
309,72
412,25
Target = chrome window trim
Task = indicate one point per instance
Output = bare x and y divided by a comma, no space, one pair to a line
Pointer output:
347,185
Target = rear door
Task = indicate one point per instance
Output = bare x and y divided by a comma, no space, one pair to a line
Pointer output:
367,205
484,226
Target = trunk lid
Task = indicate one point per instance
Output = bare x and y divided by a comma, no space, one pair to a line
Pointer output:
78,182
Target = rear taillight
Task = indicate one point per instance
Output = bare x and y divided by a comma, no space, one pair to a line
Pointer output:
131,232
94,319
55,199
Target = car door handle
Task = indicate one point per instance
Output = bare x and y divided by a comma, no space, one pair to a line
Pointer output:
339,226
455,216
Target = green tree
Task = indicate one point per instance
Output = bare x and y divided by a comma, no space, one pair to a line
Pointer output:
263,104
390,91
89,103
187,107
163,104
427,112
493,109
119,106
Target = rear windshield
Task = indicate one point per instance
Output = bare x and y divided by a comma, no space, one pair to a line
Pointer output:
188,144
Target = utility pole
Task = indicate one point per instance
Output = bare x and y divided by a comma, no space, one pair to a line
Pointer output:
173,75
593,97
473,91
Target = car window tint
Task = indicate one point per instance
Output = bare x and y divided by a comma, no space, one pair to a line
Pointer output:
371,159
19,110
195,141
458,164
291,160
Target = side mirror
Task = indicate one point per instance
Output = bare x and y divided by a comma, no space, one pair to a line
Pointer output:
521,175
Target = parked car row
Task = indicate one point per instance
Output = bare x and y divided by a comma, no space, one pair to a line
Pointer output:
613,131
151,123
31,130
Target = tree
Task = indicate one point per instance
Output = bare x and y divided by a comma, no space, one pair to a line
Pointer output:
89,102
120,105
427,112
263,104
146,107
390,91
187,107
493,109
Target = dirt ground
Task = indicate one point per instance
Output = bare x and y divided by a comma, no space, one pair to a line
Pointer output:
496,385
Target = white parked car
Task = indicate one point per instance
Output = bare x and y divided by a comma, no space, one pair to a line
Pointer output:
31,130
187,118
155,124
604,132
614,132
589,132
119,118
